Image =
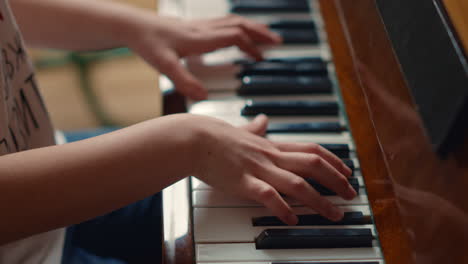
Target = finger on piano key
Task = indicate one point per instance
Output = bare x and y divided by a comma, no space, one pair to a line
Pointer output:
240,252
227,225
298,36
326,191
211,198
228,55
200,185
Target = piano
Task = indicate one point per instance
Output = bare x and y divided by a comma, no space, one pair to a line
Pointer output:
342,79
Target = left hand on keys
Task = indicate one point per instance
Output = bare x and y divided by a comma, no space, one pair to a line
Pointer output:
162,41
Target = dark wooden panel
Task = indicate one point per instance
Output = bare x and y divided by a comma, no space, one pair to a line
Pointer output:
393,239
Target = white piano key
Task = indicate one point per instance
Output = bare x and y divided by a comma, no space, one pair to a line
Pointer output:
206,8
234,225
228,84
234,106
206,198
240,252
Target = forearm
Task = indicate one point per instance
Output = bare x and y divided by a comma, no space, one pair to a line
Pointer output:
75,24
52,187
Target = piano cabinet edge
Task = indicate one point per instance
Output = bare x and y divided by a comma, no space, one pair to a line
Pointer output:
393,239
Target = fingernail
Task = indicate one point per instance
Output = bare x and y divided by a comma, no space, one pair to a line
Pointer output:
350,193
336,214
277,37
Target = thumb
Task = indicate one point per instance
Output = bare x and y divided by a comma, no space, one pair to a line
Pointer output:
258,126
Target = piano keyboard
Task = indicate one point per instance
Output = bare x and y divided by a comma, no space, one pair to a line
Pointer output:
226,228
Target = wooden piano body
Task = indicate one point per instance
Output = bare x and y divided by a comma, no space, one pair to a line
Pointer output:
419,200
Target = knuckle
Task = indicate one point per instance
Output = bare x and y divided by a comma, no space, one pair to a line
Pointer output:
298,185
266,193
270,153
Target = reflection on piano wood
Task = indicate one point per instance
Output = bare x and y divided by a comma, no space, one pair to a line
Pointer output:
411,206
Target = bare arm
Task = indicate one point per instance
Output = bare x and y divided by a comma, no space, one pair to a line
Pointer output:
52,187
75,24
161,41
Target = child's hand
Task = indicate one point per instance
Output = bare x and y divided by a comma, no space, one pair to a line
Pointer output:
239,162
162,41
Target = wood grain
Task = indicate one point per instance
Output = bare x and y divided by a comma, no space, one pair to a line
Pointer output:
458,13
393,239
399,165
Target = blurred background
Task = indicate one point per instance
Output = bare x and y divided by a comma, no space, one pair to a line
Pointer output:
95,89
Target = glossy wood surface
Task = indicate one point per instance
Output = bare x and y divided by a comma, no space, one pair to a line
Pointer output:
393,239
400,168
458,13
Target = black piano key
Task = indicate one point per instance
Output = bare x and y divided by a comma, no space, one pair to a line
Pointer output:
245,61
315,127
282,85
269,68
340,150
350,218
293,24
314,238
284,108
269,6
294,36
327,192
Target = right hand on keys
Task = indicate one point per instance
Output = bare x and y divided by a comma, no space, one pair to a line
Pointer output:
241,162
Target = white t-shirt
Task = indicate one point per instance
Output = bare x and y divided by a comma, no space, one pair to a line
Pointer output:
24,124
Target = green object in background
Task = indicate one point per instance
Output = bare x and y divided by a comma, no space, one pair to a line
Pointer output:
82,60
